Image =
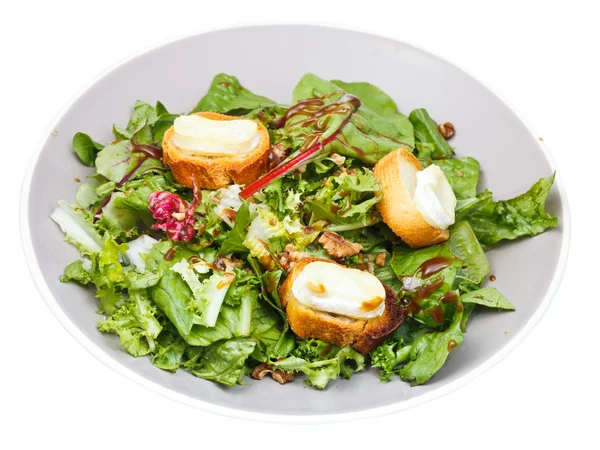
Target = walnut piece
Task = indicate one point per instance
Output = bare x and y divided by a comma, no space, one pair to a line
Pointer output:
380,260
277,154
263,369
447,130
290,257
338,159
338,247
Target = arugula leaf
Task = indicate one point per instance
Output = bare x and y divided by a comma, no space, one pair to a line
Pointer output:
135,324
523,215
429,140
234,242
86,148
489,297
462,174
227,96
223,361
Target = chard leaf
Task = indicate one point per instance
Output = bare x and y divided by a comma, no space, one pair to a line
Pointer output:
227,95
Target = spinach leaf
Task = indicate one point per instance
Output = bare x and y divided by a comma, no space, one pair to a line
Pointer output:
86,148
429,352
489,297
523,215
227,96
429,140
406,261
223,361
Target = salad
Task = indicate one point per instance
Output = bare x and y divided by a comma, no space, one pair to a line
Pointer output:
251,238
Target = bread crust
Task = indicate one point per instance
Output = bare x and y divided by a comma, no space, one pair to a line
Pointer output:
397,207
362,334
220,171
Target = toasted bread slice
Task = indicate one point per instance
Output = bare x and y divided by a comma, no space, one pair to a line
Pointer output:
216,172
362,334
396,173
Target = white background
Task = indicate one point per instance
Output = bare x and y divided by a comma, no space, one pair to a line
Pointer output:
542,56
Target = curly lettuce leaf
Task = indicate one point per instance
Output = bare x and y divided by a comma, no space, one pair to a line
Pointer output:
322,362
135,323
347,199
524,215
78,228
227,96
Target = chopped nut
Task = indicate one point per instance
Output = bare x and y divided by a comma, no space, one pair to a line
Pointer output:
447,130
338,247
338,159
277,154
459,173
263,369
308,229
301,169
290,257
380,260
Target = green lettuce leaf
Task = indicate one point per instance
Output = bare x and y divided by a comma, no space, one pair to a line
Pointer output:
523,215
78,228
227,96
